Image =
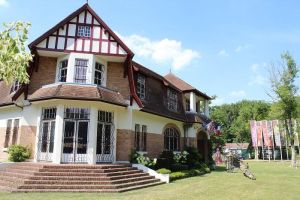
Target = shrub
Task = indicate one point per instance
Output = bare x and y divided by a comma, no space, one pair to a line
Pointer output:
18,153
178,175
179,167
165,160
144,160
163,171
181,157
193,156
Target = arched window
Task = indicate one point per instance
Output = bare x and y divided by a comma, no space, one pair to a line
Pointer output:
172,139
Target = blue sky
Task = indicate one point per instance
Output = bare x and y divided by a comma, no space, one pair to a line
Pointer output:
223,48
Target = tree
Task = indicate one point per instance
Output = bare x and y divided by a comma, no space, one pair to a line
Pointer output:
282,82
234,118
13,56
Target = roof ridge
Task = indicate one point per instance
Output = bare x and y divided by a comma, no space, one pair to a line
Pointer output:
180,79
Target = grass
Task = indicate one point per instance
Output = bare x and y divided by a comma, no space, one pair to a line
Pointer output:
275,180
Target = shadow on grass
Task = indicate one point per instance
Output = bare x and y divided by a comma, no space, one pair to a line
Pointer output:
220,169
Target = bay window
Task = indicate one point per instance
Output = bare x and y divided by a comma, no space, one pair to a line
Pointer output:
81,66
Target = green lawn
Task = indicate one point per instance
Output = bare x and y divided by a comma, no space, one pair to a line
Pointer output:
274,181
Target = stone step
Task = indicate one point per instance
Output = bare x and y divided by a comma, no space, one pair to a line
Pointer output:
86,182
81,186
85,166
90,190
21,171
81,170
86,178
85,174
14,174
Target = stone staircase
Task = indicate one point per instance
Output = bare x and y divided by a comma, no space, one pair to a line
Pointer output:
36,177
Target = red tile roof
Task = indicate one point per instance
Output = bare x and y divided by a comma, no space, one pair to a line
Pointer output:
236,145
78,92
184,86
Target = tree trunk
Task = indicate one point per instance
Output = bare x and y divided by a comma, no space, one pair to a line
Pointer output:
293,160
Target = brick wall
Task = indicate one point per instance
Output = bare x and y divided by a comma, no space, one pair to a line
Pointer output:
45,75
3,155
27,138
125,144
115,79
155,144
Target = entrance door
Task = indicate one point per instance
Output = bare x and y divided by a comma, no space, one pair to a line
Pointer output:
105,137
75,141
46,141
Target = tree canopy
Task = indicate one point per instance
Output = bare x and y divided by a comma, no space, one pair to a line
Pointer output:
14,58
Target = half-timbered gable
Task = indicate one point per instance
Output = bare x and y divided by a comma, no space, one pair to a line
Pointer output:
83,31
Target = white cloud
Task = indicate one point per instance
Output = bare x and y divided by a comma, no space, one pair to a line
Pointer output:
238,94
258,78
4,3
223,53
165,51
241,47
218,101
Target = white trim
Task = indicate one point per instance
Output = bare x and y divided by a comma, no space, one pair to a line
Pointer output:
162,177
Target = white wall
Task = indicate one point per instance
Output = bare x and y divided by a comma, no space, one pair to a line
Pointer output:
154,123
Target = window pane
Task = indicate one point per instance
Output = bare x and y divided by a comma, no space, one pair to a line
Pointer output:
99,74
137,137
84,31
141,86
63,68
7,135
80,70
15,131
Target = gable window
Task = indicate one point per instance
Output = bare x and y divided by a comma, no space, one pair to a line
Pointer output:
171,139
141,86
140,139
11,134
84,31
172,99
187,105
16,85
99,74
80,70
63,69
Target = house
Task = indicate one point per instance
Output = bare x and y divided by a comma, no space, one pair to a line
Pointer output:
89,102
238,148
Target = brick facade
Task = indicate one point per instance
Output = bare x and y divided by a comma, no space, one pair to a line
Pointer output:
44,75
27,138
3,155
125,144
116,80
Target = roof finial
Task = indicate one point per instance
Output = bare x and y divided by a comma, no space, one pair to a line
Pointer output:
87,1
170,70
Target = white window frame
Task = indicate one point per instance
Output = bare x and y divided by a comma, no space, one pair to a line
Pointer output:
81,68
84,31
61,68
102,72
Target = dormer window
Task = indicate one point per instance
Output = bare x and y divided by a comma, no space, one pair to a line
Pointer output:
141,86
99,74
81,66
172,99
84,31
187,105
63,69
16,85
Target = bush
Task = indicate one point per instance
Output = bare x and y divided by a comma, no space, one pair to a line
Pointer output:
193,157
18,153
144,160
165,160
181,157
178,175
179,167
163,171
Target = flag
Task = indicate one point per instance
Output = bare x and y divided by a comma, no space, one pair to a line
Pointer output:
259,134
253,133
265,133
269,135
277,137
